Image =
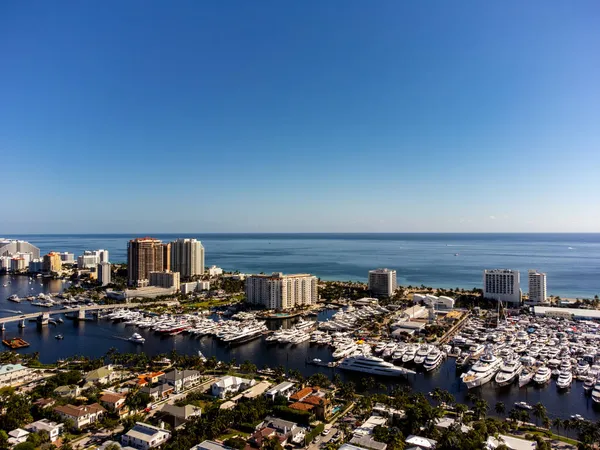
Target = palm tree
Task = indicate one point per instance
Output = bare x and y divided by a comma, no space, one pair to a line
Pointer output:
480,408
500,408
539,412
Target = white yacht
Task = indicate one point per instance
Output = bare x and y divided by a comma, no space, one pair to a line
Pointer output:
422,354
344,350
14,298
373,365
482,371
565,378
399,352
380,347
509,372
409,356
137,338
433,360
596,393
588,384
542,375
525,377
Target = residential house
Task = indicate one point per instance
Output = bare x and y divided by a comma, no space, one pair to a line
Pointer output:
283,430
149,378
71,390
54,429
513,443
183,379
351,447
230,385
414,442
314,400
80,415
14,374
367,442
158,392
210,445
366,429
44,402
281,390
17,436
144,436
178,415
103,375
112,401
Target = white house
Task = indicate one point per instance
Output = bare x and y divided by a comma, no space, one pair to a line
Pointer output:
420,442
17,436
284,389
210,445
81,415
213,271
13,374
511,442
144,436
230,385
54,429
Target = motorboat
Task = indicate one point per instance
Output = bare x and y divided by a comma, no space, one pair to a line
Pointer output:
14,298
542,375
137,338
523,405
372,365
564,380
433,360
409,356
596,393
588,384
422,353
509,372
483,370
59,336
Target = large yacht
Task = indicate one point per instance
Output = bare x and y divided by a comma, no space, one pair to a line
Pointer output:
509,372
409,356
596,393
422,354
565,378
542,375
433,360
373,365
525,377
344,350
482,371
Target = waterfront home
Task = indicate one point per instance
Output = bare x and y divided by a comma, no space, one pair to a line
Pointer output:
513,443
54,429
392,414
80,415
144,436
230,385
149,378
183,379
351,447
14,374
158,392
178,415
284,389
67,391
210,445
367,442
283,430
17,436
419,442
366,429
112,401
103,375
312,399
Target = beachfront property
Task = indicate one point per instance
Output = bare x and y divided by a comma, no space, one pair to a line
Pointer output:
10,247
187,257
503,285
281,292
80,415
537,287
14,374
382,282
144,436
91,258
214,271
194,286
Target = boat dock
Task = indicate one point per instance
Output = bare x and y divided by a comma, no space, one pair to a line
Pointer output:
15,343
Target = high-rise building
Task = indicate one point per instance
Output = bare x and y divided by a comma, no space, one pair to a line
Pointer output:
165,279
382,282
18,264
52,262
67,258
36,266
537,287
12,247
279,291
144,255
104,273
187,257
166,248
503,285
91,258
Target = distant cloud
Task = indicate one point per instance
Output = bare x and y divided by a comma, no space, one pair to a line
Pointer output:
492,217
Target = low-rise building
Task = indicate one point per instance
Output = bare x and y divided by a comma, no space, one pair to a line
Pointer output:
284,389
17,436
195,286
214,271
14,374
442,302
54,429
112,401
166,279
366,429
230,385
183,379
159,391
511,442
178,415
210,445
420,442
80,415
102,375
367,442
144,436
67,391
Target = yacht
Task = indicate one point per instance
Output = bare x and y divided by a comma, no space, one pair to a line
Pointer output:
433,360
372,365
409,356
596,393
379,348
588,385
422,354
14,298
525,377
509,372
137,338
59,336
523,405
344,350
565,378
399,353
483,370
542,375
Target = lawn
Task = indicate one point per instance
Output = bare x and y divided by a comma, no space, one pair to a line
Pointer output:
231,433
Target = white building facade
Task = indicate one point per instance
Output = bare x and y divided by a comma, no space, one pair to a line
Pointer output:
382,282
503,285
537,287
12,247
187,257
169,280
279,291
104,273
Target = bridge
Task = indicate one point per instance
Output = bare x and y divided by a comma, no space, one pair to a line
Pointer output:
43,316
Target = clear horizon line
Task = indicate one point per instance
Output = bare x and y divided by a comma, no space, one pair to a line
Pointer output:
297,232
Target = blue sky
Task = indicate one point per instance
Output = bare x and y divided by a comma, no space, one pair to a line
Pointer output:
299,116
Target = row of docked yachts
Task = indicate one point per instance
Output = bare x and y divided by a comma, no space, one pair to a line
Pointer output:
346,319
295,335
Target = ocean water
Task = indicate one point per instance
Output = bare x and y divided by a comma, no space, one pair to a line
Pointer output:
571,261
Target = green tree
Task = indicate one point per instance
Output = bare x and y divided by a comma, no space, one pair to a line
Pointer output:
271,443
113,446
557,423
4,445
319,379
34,438
500,408
539,412
24,446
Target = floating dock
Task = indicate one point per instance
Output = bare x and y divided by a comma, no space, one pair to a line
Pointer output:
15,343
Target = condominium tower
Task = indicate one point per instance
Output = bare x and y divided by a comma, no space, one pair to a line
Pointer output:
104,273
537,287
279,291
187,257
145,255
382,282
12,247
502,284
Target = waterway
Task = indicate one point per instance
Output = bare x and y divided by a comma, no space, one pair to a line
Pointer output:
95,338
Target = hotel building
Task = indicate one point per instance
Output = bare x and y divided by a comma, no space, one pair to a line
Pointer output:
145,255
279,291
503,285
382,282
537,287
187,257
